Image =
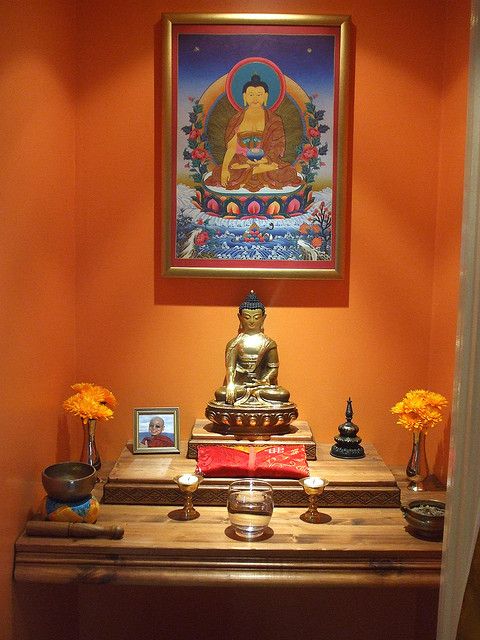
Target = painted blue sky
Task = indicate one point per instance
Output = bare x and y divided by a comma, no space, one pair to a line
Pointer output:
307,59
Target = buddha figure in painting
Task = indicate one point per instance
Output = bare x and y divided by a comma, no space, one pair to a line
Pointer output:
251,402
255,141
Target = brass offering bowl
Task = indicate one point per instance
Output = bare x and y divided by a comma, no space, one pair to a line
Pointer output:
69,481
426,518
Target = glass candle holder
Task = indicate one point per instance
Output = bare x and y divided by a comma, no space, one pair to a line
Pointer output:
313,487
250,507
188,484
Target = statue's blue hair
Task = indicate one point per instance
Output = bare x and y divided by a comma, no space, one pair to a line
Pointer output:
252,302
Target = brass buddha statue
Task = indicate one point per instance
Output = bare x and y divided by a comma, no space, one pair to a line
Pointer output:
251,404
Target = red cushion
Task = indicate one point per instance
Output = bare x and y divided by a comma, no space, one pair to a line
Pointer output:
274,461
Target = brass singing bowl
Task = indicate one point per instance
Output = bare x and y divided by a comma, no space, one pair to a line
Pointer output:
69,481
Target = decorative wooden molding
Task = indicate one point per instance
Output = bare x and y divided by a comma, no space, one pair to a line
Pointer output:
283,496
282,572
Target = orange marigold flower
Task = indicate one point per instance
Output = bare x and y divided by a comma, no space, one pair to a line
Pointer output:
82,387
101,394
109,398
91,402
419,409
436,399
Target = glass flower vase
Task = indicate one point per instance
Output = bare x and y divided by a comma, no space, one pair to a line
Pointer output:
90,453
417,467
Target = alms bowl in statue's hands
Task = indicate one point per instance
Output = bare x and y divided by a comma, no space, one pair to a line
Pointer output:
255,154
426,518
69,481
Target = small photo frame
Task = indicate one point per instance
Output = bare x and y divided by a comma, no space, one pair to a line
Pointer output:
156,430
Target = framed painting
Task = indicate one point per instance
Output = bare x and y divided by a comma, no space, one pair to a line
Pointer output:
253,113
156,430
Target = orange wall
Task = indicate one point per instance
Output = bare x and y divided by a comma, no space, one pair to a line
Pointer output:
387,327
449,220
36,257
159,342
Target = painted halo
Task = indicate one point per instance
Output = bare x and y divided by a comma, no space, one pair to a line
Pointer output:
243,71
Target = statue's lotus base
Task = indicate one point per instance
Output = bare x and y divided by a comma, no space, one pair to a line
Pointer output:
251,421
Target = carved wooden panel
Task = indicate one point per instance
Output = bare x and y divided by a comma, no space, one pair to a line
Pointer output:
283,496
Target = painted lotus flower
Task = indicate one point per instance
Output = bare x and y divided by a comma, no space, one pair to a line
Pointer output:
199,154
201,238
194,134
309,151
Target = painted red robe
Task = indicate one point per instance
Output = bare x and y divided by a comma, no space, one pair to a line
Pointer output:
273,144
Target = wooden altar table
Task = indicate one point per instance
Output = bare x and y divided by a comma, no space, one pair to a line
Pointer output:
360,546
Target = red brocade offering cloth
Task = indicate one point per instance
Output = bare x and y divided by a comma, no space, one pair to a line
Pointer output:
275,461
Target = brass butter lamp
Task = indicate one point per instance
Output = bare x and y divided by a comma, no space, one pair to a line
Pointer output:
188,484
313,487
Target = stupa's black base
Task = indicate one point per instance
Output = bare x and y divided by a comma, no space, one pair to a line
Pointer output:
345,453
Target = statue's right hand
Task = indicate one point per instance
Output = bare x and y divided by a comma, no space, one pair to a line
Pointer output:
230,393
225,177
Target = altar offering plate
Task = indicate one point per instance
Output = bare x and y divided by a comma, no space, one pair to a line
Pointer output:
250,507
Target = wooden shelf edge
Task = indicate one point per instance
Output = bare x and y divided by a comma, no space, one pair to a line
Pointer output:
421,574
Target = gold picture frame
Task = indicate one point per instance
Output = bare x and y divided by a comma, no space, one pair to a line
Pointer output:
156,430
249,189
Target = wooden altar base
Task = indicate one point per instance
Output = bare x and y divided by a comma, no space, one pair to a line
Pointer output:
203,433
147,479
